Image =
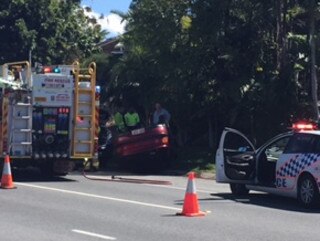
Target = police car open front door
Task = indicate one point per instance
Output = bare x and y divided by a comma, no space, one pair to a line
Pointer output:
235,158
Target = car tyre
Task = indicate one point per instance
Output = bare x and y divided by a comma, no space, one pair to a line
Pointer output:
239,189
308,192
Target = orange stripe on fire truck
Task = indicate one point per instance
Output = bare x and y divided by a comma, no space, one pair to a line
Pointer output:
5,111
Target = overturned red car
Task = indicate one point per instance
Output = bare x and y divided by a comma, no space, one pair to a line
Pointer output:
148,146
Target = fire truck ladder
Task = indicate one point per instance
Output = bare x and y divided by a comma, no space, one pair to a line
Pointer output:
84,111
21,129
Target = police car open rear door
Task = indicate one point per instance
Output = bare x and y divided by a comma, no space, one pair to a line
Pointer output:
235,158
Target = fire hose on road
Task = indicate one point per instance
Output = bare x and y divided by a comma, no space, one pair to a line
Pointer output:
113,178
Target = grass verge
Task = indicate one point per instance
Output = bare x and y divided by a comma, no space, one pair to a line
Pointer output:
197,159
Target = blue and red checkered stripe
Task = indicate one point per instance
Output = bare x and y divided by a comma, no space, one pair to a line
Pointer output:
296,164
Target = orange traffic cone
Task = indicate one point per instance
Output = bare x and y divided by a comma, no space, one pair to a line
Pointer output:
191,204
6,179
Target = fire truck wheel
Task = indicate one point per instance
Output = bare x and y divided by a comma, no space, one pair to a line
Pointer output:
47,169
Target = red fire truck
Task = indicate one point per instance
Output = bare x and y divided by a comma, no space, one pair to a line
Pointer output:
48,116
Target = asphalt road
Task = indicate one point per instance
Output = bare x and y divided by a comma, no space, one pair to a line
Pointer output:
75,208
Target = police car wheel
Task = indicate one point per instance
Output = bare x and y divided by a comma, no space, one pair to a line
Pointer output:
238,189
308,194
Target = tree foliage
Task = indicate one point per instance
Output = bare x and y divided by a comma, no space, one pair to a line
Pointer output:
56,31
239,63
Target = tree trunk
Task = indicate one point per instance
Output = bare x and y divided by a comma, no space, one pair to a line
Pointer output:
210,131
281,15
314,81
278,33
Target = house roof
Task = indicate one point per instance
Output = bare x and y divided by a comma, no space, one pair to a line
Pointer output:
108,46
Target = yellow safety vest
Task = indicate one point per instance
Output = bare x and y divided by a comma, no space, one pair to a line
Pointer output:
119,121
132,119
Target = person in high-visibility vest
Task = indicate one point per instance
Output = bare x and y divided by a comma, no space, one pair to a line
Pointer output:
132,119
119,120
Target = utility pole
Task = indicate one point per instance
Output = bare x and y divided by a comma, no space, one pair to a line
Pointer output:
30,57
314,80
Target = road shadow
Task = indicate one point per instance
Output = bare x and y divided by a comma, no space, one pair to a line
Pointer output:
34,175
171,215
134,168
264,200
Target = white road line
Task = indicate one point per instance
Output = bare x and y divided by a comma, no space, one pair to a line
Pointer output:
93,234
98,196
179,188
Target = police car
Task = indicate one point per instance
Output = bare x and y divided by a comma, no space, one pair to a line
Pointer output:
287,165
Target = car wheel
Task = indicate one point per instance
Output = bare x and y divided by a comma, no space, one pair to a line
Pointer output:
308,193
164,159
238,189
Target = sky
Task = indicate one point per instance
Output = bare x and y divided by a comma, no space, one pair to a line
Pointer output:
112,22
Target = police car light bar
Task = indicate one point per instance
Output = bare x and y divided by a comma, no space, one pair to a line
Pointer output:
304,126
